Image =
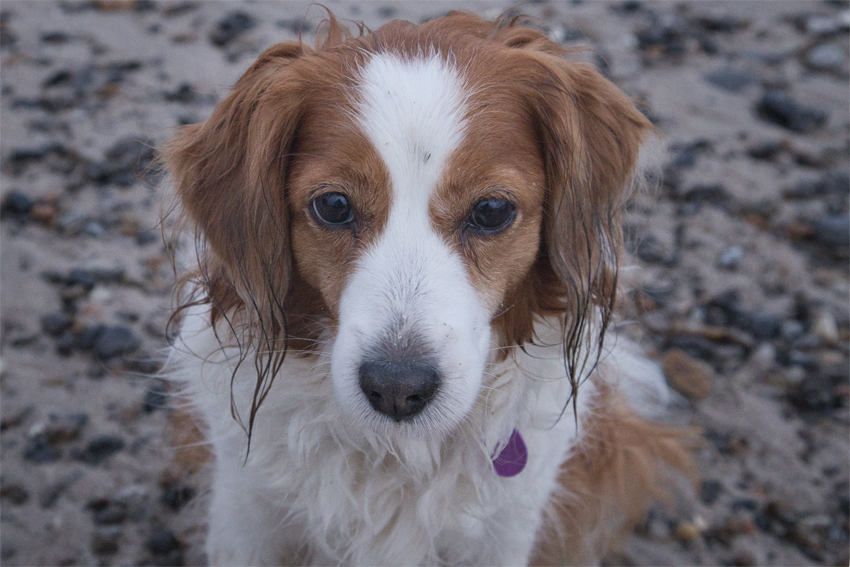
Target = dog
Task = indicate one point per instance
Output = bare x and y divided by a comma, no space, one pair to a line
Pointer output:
394,332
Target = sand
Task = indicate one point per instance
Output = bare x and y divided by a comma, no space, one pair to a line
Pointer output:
739,260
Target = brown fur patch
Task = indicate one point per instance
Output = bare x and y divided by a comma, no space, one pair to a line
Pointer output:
190,446
623,463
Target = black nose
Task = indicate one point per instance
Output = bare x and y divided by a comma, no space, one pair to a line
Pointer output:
399,389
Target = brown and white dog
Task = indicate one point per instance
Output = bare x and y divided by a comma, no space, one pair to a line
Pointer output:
407,262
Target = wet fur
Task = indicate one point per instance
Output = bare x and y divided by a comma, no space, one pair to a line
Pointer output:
269,309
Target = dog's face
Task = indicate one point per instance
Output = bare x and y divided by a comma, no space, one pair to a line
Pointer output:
413,218
423,194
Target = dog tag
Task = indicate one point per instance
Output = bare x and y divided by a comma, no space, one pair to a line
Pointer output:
513,457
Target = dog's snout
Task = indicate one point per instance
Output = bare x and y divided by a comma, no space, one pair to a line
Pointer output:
399,390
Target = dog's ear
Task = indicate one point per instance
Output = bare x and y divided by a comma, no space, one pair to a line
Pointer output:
590,135
230,176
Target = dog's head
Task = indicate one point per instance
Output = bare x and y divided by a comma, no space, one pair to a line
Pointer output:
412,200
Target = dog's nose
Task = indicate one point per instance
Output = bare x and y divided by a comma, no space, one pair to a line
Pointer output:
399,389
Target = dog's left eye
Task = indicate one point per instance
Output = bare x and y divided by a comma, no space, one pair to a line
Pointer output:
333,209
492,215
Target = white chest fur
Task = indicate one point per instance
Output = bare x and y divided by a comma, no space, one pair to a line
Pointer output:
317,489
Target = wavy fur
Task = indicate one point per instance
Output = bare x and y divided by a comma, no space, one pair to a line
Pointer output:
273,297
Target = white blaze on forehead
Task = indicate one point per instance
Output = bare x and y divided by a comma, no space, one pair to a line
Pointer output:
410,286
413,113
412,110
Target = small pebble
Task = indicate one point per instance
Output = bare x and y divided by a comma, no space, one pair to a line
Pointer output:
165,547
6,551
72,293
745,558
175,496
732,80
145,237
65,428
665,33
792,329
628,6
714,194
730,258
745,504
156,398
687,155
93,229
14,494
17,204
105,272
230,28
65,344
817,24
765,326
709,491
123,163
55,324
764,356
179,8
816,393
114,5
778,108
21,158
16,419
85,338
833,182
833,231
826,327
55,37
79,277
651,251
101,448
40,450
827,57
694,346
107,511
184,94
691,378
106,540
722,22
765,150
114,341
44,212
71,222
687,531
796,357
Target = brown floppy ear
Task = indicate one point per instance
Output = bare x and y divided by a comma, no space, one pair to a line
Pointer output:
591,134
230,176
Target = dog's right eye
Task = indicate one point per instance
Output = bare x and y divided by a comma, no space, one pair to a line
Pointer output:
333,209
490,216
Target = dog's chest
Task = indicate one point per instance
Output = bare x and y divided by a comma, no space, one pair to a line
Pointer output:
356,496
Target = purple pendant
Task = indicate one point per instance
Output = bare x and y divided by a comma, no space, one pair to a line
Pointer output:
513,457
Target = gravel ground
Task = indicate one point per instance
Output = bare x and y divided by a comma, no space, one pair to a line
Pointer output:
741,292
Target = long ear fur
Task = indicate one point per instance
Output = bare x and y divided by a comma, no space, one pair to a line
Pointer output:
230,176
591,134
